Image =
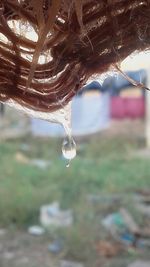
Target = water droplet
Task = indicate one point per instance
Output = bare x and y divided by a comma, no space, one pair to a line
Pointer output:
68,164
69,149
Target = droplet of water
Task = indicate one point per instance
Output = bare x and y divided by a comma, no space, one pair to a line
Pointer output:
69,149
68,164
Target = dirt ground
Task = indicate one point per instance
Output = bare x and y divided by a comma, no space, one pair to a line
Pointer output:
19,249
128,128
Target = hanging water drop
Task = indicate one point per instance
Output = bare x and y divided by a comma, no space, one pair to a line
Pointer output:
68,164
69,149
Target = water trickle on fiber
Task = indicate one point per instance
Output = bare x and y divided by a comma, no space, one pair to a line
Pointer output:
61,116
68,145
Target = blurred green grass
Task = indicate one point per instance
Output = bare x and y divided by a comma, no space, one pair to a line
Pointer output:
103,165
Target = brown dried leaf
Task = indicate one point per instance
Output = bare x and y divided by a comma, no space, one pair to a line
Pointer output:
108,249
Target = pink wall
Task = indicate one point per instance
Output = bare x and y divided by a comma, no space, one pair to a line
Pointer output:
122,107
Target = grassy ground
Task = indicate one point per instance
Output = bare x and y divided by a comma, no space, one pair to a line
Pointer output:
105,165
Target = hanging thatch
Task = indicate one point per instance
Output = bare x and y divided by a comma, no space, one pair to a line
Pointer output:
77,38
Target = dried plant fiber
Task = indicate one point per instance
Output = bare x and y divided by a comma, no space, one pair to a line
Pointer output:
75,39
